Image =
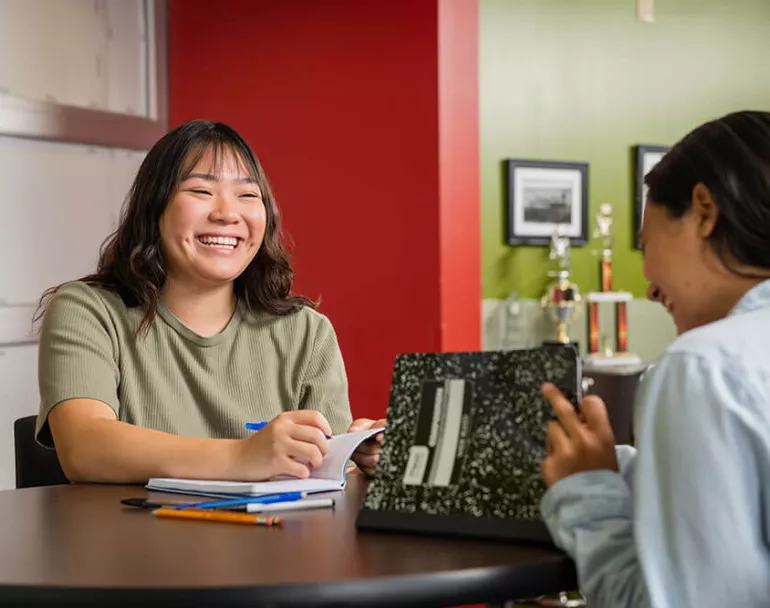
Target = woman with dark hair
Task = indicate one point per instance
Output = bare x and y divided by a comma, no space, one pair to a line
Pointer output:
686,520
188,329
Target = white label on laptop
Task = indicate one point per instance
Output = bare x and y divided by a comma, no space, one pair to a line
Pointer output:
440,440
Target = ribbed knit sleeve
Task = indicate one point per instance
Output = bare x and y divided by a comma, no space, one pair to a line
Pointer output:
325,383
76,355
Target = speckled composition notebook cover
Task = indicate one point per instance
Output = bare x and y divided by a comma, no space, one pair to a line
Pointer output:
464,441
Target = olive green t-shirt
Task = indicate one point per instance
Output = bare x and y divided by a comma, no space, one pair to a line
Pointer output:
174,380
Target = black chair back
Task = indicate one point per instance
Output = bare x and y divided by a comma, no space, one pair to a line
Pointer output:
35,465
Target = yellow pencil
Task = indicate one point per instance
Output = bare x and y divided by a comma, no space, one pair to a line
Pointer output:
225,516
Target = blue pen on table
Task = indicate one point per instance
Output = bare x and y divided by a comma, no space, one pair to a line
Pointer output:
258,426
248,500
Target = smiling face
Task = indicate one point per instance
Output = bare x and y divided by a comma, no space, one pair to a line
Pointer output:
214,222
685,274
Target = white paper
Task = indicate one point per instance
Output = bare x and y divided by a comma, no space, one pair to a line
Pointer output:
341,448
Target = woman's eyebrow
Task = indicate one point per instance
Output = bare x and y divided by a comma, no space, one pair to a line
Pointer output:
210,177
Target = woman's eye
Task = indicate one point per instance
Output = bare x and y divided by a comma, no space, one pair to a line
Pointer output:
201,191
249,195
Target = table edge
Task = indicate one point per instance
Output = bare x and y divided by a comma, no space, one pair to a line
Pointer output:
432,589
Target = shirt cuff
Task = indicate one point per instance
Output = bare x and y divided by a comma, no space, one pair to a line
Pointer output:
584,498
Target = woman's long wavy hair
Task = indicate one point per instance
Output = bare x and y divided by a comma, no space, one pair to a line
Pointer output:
131,259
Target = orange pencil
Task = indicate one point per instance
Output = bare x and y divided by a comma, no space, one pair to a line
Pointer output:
226,516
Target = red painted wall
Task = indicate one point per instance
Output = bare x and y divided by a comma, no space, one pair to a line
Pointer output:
459,181
348,111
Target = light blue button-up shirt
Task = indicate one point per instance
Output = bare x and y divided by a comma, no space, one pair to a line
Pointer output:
686,521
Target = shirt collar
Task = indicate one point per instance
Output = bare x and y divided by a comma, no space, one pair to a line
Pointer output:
755,298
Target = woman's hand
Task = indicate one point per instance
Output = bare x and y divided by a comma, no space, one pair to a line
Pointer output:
368,453
577,442
293,443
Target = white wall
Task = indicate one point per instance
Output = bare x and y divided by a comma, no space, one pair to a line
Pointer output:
58,201
506,325
57,204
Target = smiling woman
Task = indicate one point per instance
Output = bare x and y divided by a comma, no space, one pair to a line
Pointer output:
683,521
188,328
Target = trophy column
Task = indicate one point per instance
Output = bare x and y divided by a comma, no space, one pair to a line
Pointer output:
599,350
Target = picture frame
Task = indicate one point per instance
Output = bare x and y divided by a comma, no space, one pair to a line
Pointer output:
542,196
645,158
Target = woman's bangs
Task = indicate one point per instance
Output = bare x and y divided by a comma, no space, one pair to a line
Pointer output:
219,150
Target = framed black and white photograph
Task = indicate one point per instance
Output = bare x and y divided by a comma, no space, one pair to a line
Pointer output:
646,157
543,196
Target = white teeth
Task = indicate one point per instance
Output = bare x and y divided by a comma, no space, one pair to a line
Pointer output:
226,242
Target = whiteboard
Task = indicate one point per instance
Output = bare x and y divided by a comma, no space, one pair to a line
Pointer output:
58,202
85,53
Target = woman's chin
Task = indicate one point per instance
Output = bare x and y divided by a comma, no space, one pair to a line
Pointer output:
220,270
217,278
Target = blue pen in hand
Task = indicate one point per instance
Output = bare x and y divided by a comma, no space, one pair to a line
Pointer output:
258,426
255,426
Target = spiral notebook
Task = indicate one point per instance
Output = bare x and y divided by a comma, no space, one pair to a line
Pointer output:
328,477
464,442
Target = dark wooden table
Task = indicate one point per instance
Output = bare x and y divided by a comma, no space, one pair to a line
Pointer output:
76,545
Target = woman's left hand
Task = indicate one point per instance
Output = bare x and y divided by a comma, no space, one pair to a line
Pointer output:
368,453
577,442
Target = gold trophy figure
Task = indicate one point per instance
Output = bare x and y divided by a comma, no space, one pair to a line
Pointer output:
562,297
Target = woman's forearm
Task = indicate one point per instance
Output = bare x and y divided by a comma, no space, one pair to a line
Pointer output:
103,450
93,446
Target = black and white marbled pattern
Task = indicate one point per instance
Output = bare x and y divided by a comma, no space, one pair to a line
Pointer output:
500,476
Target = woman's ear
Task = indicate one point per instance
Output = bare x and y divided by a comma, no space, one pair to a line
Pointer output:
704,210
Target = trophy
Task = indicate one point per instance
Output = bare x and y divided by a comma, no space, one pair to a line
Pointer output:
603,353
562,298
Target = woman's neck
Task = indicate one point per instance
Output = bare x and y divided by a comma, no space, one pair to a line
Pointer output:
206,311
728,287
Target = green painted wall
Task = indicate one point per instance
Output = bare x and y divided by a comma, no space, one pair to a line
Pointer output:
583,80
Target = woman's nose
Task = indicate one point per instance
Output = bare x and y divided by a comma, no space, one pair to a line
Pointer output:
224,210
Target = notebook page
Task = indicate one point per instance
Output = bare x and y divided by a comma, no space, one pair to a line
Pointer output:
341,448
